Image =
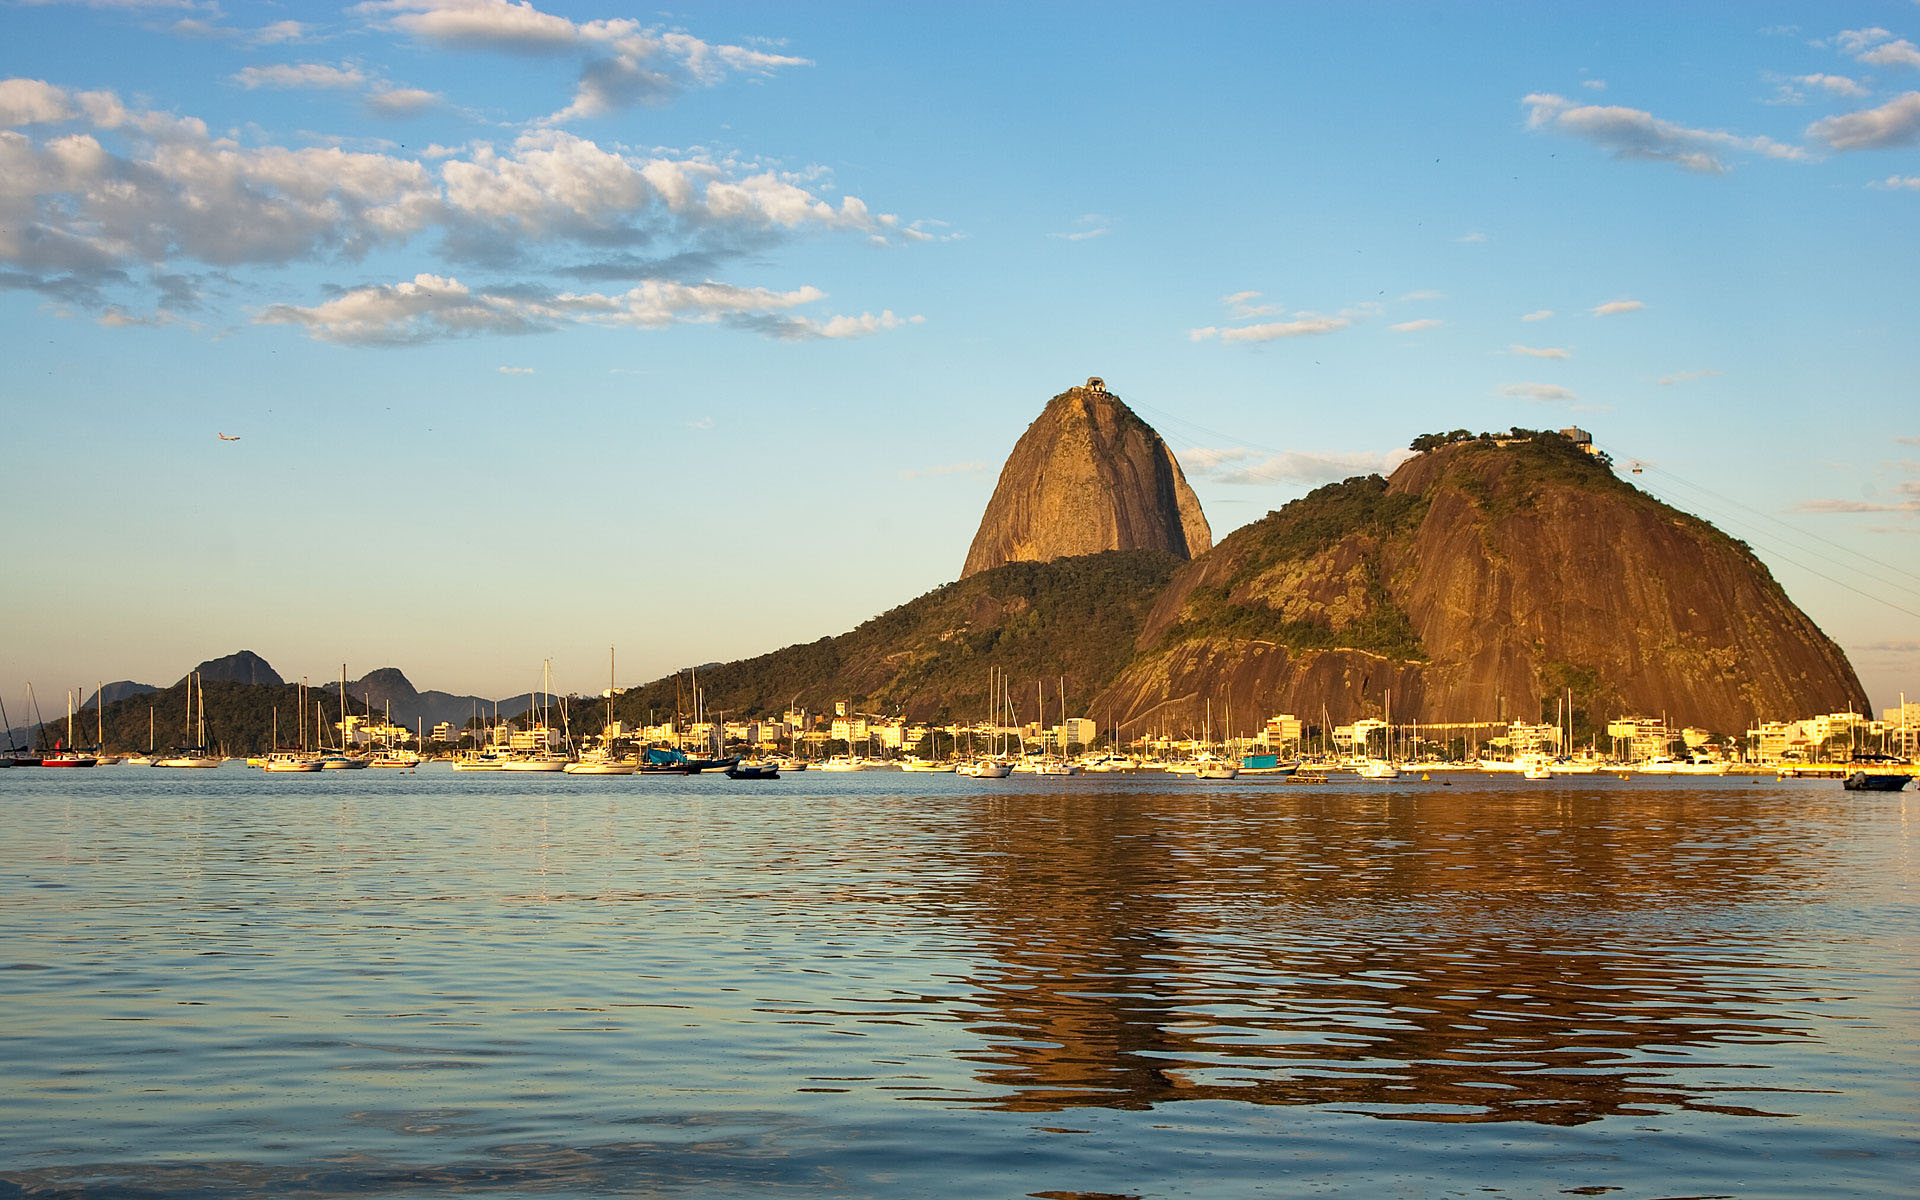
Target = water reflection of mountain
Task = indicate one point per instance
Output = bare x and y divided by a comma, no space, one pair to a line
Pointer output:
1457,956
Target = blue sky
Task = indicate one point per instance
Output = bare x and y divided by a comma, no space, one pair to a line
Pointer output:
703,331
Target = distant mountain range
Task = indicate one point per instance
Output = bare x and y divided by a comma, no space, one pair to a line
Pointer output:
252,700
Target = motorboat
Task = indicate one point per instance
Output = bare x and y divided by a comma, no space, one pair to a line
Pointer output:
1378,770
1216,770
1876,780
985,768
290,762
762,770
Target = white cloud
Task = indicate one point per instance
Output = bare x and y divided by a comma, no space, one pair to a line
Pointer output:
301,75
130,191
626,63
401,102
1418,326
1838,85
1240,466
1422,297
1090,226
1615,307
1907,441
1854,506
1245,306
431,308
508,25
1307,325
1636,134
1904,183
1471,239
1685,377
1541,314
1540,351
1900,53
1895,123
514,370
1594,85
1539,393
31,102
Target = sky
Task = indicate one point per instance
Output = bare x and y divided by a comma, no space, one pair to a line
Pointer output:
543,328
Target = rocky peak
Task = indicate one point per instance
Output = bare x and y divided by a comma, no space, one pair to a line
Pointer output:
1088,476
243,666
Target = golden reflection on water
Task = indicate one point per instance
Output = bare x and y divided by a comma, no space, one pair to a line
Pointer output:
1456,956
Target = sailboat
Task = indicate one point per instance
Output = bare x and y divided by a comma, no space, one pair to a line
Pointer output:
1208,766
1049,764
542,757
602,761
340,760
396,757
995,765
100,729
1381,769
143,760
195,755
68,756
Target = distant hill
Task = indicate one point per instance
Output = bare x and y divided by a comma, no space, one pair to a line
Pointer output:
1486,579
120,691
1073,617
242,667
390,686
1088,475
1490,578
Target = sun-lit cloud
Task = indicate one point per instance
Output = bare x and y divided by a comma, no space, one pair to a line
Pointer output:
1855,506
401,102
1895,123
1685,377
1615,307
1539,393
97,193
1240,466
1308,325
1087,227
1424,323
1247,305
1539,314
1898,183
1632,133
1837,85
433,308
626,63
301,75
1540,351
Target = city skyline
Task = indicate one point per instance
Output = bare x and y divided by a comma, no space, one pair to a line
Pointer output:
460,336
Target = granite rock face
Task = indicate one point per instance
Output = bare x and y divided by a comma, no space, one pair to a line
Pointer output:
1482,582
1088,476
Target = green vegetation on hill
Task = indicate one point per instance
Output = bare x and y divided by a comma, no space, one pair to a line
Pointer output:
240,718
1359,507
928,658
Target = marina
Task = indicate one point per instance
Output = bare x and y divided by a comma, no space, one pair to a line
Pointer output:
889,983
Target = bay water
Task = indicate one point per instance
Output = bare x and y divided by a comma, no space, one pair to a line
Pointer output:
226,983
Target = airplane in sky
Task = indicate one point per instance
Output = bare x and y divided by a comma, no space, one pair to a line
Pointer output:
229,437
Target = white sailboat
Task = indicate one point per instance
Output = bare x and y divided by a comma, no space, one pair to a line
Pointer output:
602,760
196,756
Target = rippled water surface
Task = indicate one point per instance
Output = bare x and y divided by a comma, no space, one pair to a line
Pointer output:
228,983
